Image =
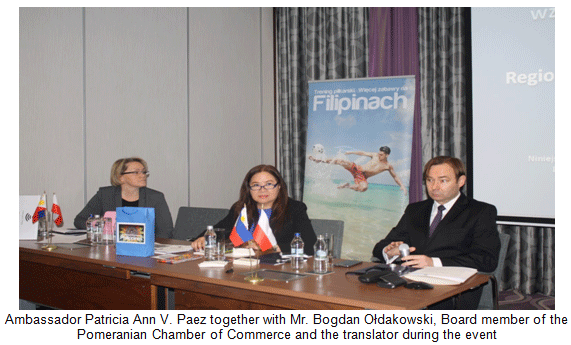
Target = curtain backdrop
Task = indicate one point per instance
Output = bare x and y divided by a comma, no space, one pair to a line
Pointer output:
530,261
393,51
444,69
312,44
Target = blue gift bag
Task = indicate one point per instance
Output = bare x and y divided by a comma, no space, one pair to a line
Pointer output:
135,229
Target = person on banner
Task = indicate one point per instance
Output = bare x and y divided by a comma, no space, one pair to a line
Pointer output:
448,229
376,165
264,217
129,189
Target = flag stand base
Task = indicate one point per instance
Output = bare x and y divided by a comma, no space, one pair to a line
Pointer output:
49,247
254,279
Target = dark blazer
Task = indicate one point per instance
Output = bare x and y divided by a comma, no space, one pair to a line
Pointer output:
466,236
296,220
109,198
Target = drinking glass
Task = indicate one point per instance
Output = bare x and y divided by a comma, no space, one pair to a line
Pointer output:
43,226
220,253
108,232
329,239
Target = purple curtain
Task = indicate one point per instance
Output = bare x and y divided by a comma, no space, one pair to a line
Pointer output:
393,51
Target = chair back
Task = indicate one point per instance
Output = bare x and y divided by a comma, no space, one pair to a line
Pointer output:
489,299
192,221
335,227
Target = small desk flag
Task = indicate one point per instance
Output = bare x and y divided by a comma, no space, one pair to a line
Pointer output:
40,210
263,234
240,233
56,210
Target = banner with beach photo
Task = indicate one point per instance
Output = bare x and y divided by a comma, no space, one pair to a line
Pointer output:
357,169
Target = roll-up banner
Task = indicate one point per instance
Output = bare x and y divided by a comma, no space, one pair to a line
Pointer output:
359,142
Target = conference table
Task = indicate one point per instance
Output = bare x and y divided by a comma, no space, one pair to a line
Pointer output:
94,277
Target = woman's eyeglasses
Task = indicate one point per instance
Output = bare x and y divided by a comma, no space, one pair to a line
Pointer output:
267,186
146,173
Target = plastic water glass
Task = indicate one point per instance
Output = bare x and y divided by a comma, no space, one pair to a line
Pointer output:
329,239
220,244
108,235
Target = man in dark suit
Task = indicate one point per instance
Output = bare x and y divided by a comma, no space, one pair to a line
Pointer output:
448,229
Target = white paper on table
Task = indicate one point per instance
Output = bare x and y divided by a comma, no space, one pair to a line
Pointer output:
448,275
161,248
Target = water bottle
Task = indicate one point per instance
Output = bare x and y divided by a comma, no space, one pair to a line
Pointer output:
210,244
296,252
97,229
89,229
320,260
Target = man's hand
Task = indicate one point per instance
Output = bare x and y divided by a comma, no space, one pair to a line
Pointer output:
393,249
417,261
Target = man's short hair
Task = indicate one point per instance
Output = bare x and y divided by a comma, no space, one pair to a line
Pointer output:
385,149
455,164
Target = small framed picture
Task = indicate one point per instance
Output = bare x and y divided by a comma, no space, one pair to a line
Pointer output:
131,233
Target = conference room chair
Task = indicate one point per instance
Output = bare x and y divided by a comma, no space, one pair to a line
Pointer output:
335,227
489,299
192,221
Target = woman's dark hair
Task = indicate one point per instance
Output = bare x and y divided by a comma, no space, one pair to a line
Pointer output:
279,206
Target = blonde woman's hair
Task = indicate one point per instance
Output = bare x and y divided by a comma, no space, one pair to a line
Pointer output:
119,167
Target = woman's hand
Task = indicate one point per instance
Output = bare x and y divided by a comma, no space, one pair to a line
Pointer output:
251,244
198,244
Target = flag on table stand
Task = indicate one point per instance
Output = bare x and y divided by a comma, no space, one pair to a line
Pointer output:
40,210
240,233
56,210
263,234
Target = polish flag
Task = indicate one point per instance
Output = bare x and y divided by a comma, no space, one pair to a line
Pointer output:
263,234
56,210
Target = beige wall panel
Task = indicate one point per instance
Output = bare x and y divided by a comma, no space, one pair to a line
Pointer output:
136,95
189,90
51,106
225,103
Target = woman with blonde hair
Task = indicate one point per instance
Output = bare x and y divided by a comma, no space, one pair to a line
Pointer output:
129,189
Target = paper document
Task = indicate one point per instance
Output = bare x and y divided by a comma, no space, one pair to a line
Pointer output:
212,264
241,253
161,248
246,262
442,275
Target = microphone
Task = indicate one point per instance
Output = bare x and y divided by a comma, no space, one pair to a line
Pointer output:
404,250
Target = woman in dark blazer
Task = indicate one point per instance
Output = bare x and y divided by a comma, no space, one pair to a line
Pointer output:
264,190
129,188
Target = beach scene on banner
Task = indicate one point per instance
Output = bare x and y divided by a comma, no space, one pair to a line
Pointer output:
358,153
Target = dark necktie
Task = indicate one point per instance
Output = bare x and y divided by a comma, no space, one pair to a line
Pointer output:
436,220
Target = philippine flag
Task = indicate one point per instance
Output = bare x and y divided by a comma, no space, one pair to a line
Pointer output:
40,210
56,210
263,234
240,233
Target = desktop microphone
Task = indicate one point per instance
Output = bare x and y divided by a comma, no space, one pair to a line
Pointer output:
404,250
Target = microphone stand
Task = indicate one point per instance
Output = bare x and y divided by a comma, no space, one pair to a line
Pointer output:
253,277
